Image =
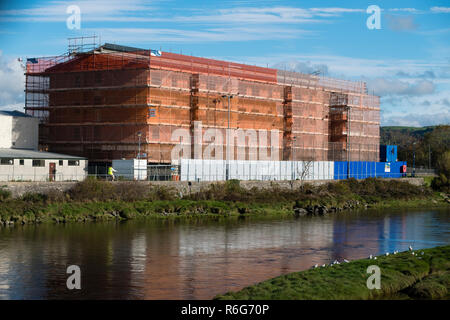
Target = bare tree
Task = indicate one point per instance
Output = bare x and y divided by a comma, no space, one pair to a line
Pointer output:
303,172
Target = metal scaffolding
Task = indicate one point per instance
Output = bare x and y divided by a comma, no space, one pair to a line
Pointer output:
93,103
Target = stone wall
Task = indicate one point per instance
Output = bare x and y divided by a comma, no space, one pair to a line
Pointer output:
20,188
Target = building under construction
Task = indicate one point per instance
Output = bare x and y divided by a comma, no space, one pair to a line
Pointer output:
109,101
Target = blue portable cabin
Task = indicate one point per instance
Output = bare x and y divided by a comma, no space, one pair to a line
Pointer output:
388,153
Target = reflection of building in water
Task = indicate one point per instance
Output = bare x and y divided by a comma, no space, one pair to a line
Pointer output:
256,236
399,231
34,264
351,237
162,276
23,267
392,232
9,289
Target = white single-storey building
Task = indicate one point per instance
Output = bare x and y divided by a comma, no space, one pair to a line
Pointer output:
21,161
18,130
31,165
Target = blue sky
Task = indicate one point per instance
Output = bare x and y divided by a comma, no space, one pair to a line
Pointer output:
406,62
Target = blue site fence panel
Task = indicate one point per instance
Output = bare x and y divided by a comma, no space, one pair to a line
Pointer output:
367,169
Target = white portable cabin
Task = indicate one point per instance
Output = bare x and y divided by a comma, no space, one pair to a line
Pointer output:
132,169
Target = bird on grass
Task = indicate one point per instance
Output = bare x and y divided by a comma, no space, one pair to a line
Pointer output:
395,252
374,258
387,253
323,266
346,261
316,265
370,257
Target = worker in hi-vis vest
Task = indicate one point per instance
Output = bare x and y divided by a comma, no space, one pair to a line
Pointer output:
111,171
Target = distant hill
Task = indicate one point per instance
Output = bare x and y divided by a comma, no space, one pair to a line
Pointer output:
400,135
427,143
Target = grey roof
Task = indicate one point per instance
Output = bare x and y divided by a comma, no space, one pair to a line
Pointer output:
14,113
116,47
33,154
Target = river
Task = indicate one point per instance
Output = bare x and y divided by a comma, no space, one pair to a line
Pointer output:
198,259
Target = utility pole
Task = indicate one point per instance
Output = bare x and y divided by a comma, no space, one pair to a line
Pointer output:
139,134
229,96
293,158
348,142
429,156
414,160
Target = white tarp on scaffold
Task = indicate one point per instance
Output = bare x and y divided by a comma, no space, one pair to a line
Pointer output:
215,170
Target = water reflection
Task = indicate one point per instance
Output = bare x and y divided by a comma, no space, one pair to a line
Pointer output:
171,260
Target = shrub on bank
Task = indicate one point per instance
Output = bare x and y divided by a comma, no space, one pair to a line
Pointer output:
4,194
92,189
370,189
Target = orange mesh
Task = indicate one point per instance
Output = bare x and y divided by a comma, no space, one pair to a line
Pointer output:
95,104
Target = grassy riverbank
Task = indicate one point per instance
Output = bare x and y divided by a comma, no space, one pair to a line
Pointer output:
94,200
403,276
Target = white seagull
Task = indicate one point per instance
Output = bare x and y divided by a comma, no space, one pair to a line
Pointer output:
316,265
370,257
387,253
346,261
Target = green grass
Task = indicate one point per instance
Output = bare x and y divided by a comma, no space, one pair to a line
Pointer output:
422,276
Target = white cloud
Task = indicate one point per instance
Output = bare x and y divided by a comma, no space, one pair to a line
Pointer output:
303,67
90,10
139,11
12,82
417,110
440,9
357,68
416,119
401,23
409,10
208,35
388,87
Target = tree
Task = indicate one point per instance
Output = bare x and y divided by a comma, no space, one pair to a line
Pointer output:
303,172
442,181
443,164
